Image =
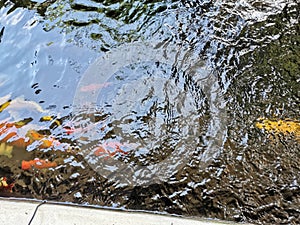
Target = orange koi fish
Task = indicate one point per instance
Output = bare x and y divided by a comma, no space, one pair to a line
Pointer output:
38,164
9,134
11,137
45,142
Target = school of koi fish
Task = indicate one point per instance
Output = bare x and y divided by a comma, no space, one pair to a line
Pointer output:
15,134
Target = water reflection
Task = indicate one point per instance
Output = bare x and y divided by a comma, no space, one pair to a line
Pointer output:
43,65
154,98
252,49
102,25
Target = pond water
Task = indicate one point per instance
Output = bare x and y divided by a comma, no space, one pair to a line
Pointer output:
184,107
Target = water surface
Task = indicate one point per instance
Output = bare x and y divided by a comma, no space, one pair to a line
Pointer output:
238,61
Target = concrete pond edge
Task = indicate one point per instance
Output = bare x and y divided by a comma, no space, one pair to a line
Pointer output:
36,212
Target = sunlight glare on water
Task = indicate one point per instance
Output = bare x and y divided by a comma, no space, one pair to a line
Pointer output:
156,110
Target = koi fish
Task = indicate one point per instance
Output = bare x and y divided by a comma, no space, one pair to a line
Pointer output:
45,142
4,105
104,149
4,185
38,164
20,103
280,126
18,106
6,125
9,133
94,87
52,119
71,130
6,150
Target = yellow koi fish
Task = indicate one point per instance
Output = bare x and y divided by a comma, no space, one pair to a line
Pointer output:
284,127
4,105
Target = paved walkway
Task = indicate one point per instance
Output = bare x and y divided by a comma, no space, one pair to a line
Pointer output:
20,212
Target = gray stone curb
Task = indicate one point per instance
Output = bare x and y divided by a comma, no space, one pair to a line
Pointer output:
15,211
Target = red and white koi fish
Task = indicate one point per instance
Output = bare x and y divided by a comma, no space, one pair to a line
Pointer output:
94,87
113,148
